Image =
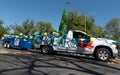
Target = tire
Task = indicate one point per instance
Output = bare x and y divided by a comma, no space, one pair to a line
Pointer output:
45,50
103,54
5,45
8,45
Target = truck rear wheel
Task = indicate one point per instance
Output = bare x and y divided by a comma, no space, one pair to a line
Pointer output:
103,54
45,50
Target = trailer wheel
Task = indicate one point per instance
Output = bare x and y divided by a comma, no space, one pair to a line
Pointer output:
5,45
8,45
45,50
103,54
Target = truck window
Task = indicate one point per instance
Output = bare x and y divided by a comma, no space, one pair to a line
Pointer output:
79,35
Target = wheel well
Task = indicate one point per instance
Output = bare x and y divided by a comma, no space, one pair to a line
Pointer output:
49,49
101,46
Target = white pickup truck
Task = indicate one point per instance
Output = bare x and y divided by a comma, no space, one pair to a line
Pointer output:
80,43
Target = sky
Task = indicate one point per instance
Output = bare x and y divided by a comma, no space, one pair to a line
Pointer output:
16,11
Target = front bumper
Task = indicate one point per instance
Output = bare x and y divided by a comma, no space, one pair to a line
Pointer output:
115,53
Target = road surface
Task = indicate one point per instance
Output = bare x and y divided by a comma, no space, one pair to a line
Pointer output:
21,62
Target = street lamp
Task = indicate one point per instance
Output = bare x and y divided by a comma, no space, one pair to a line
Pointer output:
81,11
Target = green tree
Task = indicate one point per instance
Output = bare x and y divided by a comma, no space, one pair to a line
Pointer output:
16,29
90,25
99,32
1,22
3,30
44,27
77,22
74,21
26,27
114,28
63,26
29,26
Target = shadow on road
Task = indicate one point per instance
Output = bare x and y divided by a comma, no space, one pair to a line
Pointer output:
40,64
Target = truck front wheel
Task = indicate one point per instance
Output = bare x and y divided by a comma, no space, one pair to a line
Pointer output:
103,54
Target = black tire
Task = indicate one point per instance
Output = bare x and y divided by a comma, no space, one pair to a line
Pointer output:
103,54
8,45
45,50
5,45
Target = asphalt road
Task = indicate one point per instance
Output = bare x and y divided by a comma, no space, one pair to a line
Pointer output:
20,62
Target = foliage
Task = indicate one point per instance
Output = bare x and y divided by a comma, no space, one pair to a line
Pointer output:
16,29
73,21
3,30
114,28
25,28
29,26
99,32
44,27
1,22
63,26
77,22
90,25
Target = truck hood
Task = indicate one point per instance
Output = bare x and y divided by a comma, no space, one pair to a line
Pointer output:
107,41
